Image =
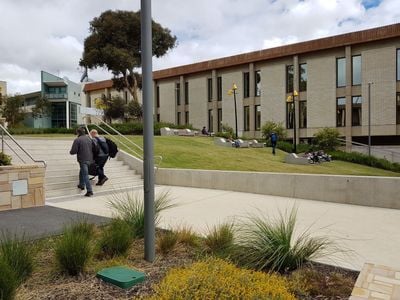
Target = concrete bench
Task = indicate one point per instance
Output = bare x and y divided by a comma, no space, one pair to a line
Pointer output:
293,158
186,132
222,142
166,131
256,144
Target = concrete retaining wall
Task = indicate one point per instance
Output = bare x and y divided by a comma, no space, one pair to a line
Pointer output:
358,190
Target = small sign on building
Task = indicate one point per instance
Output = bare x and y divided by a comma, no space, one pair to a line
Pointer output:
20,187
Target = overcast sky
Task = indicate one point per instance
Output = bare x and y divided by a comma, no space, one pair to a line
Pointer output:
48,34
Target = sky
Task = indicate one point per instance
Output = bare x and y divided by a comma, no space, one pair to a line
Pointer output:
49,34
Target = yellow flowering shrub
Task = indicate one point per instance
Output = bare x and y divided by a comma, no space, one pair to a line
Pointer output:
218,279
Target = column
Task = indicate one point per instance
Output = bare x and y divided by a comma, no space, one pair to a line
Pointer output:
67,113
348,98
296,88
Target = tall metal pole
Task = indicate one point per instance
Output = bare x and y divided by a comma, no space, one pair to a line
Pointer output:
294,124
236,127
369,118
148,130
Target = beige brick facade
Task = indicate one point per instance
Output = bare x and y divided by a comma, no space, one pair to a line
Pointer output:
34,176
377,47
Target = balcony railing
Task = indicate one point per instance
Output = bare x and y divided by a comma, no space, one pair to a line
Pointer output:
56,96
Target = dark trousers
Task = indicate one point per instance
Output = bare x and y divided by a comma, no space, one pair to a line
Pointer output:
101,161
273,147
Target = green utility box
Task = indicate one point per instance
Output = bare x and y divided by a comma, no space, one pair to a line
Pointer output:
121,276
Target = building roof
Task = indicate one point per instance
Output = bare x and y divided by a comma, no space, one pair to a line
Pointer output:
357,37
98,85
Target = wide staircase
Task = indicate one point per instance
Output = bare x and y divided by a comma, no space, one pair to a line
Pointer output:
62,171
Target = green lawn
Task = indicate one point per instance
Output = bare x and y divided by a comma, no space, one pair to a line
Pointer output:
201,153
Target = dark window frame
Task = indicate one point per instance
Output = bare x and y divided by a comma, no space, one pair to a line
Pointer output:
301,88
178,118
397,108
187,92
257,117
209,89
398,64
219,88
186,118
353,107
158,96
246,118
178,93
210,120
301,103
257,88
219,119
246,84
289,121
352,70
341,107
289,82
337,72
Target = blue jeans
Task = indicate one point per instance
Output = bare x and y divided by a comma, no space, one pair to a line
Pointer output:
84,175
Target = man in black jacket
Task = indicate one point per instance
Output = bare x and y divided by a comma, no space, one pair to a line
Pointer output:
83,148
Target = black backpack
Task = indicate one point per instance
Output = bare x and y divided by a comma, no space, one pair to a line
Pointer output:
112,148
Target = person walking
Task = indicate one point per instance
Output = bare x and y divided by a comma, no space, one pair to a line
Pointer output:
102,156
83,148
274,140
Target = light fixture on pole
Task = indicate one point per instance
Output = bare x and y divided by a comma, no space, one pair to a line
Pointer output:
233,92
292,98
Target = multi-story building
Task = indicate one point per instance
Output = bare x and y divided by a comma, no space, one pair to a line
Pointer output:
3,88
335,78
65,98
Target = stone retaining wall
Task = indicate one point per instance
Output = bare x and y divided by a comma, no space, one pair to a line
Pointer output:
21,186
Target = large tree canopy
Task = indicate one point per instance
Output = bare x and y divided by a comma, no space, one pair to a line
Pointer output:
114,44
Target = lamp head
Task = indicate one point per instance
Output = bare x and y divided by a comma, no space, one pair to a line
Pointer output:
234,87
295,93
230,92
289,99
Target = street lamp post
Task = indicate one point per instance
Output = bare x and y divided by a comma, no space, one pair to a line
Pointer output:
289,99
233,92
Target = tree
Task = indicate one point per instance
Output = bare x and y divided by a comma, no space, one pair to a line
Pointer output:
270,127
135,110
114,44
12,110
114,107
327,139
42,108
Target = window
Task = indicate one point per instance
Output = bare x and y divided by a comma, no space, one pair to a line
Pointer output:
289,115
340,72
210,120
398,64
186,92
356,69
356,111
303,114
178,93
178,118
58,115
257,82
158,96
246,118
246,84
209,89
158,117
73,113
341,112
303,78
257,110
219,119
186,118
289,78
219,88
398,108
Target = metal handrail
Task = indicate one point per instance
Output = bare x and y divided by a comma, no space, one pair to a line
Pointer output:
4,130
139,155
390,152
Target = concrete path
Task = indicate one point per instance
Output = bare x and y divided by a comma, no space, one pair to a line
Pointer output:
369,234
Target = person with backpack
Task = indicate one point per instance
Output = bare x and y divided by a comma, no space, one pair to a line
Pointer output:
102,157
274,140
83,147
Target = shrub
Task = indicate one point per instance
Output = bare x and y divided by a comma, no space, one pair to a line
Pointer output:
18,255
116,238
73,251
367,160
327,139
217,279
270,127
84,228
167,241
8,281
130,208
187,236
5,160
268,245
310,282
220,240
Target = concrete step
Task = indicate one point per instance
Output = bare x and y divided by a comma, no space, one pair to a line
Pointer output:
107,188
74,181
74,170
75,176
62,165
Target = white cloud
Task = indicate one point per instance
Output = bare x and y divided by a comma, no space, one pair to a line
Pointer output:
49,34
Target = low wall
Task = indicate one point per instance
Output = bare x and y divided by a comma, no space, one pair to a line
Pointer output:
358,190
133,162
21,186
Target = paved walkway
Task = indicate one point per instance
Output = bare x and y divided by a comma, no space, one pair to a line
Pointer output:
377,282
369,234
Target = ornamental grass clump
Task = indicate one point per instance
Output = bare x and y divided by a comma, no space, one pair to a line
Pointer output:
18,254
217,279
272,244
220,240
187,236
167,241
116,238
8,281
130,208
73,250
